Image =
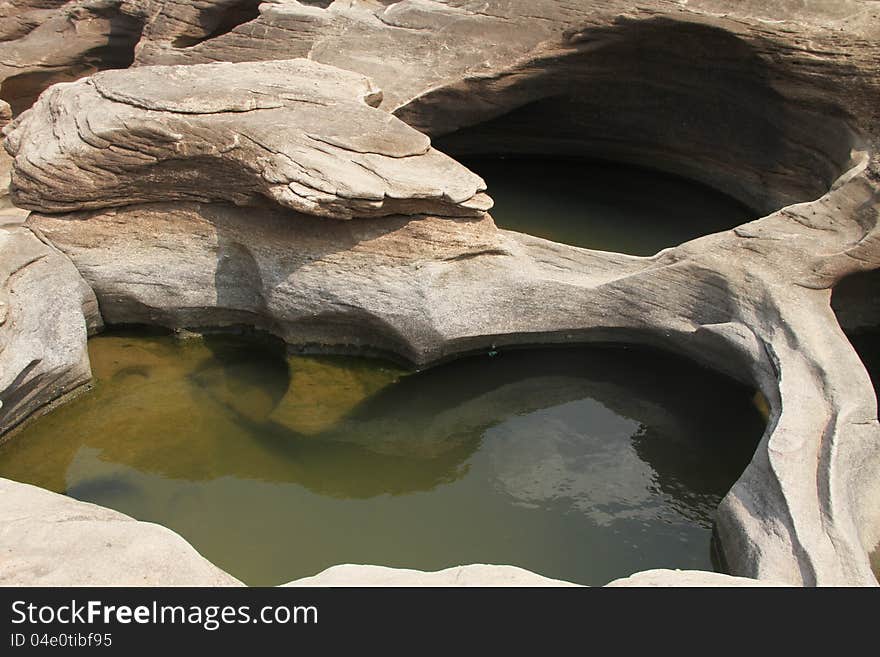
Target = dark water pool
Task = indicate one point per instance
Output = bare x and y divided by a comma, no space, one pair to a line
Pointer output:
581,464
604,205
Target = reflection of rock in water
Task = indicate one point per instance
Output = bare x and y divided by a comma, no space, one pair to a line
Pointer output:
248,375
598,430
577,455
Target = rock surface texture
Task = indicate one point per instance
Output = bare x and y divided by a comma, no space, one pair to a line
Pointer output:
48,539
46,312
211,208
47,41
297,133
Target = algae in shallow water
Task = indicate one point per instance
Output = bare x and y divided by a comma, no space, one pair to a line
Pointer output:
578,464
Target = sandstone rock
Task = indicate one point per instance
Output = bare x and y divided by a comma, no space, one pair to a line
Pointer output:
774,103
737,96
46,42
471,575
689,578
298,133
46,310
744,302
48,539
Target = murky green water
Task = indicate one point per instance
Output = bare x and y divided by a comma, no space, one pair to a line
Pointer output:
603,205
583,464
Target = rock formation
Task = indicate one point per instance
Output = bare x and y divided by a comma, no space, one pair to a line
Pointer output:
298,133
51,540
211,208
46,311
47,41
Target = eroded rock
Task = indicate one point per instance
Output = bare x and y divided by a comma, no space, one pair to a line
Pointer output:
298,133
743,301
46,312
42,43
48,539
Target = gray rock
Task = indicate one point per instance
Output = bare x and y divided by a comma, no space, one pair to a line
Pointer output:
745,302
46,311
774,103
298,133
736,95
48,539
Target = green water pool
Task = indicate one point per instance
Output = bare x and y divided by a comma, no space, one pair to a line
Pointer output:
580,464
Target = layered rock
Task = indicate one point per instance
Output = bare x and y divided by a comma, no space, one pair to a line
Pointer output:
427,289
741,97
46,312
297,133
47,41
48,539
773,104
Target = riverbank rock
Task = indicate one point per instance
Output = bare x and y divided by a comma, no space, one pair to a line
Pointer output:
470,575
46,312
687,578
142,183
48,539
42,43
740,96
296,133
426,289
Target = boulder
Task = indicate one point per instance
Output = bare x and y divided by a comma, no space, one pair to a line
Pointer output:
48,539
46,313
296,133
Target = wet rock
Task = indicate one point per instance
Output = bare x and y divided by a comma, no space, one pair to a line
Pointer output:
296,133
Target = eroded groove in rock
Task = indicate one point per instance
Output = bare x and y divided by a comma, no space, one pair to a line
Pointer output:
745,302
42,43
46,312
300,134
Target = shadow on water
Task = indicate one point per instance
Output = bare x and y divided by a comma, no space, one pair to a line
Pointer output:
583,464
603,205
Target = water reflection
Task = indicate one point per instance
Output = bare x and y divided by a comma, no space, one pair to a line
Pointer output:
604,205
579,464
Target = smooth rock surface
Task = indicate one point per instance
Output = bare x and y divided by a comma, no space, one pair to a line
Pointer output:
297,133
470,575
773,103
687,578
46,312
48,539
425,289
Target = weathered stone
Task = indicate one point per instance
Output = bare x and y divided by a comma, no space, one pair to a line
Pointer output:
745,302
48,539
774,103
470,575
298,133
43,42
741,96
46,311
